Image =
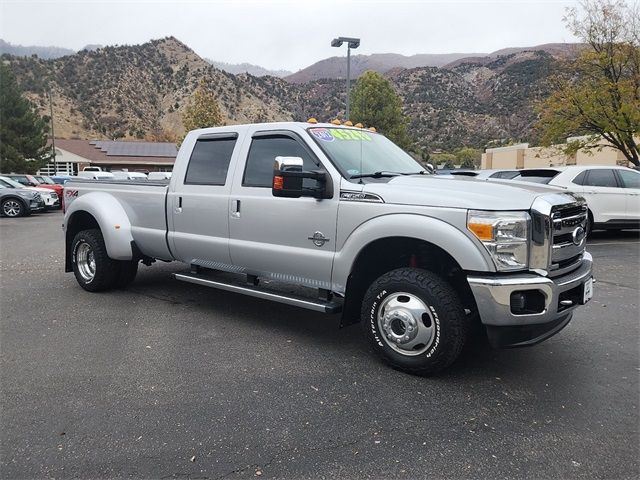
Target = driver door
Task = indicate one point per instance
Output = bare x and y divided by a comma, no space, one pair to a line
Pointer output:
287,239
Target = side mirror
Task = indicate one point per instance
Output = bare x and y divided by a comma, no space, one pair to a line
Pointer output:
288,180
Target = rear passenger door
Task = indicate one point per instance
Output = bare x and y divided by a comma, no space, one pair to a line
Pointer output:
198,204
606,200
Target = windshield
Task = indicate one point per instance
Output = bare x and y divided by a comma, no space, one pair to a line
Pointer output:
11,183
45,180
358,152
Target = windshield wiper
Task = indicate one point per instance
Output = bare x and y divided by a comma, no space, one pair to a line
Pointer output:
385,173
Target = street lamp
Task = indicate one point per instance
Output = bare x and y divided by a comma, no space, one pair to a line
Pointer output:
53,135
351,43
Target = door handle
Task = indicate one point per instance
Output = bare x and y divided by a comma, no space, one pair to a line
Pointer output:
235,208
178,209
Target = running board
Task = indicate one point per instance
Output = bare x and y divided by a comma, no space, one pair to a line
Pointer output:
289,299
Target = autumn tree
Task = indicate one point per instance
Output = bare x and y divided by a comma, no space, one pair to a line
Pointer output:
597,96
375,103
23,133
202,110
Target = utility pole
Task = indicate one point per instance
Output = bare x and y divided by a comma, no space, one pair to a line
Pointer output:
53,135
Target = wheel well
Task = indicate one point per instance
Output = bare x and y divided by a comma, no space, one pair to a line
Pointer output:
384,255
77,222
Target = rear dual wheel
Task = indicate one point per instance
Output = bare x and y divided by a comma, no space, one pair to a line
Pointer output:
93,268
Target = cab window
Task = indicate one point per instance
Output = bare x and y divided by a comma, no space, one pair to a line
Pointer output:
258,171
209,161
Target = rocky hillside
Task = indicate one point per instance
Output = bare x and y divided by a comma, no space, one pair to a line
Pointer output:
475,102
140,92
137,91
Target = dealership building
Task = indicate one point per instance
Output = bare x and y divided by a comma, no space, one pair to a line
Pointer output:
74,155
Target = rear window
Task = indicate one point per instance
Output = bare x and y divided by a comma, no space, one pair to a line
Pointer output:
602,177
630,178
209,161
507,175
579,180
533,179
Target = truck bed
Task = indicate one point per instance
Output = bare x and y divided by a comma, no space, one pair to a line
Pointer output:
144,204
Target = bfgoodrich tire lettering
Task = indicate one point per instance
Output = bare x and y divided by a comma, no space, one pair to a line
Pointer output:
444,324
93,268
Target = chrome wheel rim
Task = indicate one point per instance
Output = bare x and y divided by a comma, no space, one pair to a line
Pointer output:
86,262
406,324
11,208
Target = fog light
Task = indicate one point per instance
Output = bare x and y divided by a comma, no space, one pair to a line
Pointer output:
527,302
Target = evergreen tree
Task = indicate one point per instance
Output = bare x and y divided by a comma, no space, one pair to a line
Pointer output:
23,133
375,103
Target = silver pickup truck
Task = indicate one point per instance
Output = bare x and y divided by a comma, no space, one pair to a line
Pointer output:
356,226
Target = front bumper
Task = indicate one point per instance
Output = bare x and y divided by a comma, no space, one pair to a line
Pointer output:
561,295
36,205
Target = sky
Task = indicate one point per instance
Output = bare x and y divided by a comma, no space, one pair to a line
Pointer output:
288,34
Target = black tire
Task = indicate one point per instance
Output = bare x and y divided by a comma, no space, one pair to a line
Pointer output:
106,269
16,206
126,273
449,324
589,226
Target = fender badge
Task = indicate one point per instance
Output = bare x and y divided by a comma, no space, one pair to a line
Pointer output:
318,239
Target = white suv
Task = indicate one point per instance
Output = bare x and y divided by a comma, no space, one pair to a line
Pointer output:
612,193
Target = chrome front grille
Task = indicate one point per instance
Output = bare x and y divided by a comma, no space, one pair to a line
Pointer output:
568,237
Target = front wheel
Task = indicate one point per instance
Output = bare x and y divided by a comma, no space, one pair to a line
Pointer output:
12,208
414,320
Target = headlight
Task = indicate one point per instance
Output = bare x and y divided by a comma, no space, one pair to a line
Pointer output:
505,235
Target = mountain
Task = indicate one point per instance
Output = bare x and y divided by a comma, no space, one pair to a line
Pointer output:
141,91
474,103
556,50
42,52
255,70
137,91
336,67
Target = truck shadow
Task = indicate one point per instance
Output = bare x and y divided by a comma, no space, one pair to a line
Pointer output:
598,235
247,314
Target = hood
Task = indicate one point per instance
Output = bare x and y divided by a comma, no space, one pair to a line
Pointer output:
463,192
41,190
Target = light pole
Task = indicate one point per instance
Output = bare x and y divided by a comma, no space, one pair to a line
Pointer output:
351,43
53,136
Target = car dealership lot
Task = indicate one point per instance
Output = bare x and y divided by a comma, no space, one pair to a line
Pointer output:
171,380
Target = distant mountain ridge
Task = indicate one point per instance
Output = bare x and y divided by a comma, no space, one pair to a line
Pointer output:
251,69
336,67
42,52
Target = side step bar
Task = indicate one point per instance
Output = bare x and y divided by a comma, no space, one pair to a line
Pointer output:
295,300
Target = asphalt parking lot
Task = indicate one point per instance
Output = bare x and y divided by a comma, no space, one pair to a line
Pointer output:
172,380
